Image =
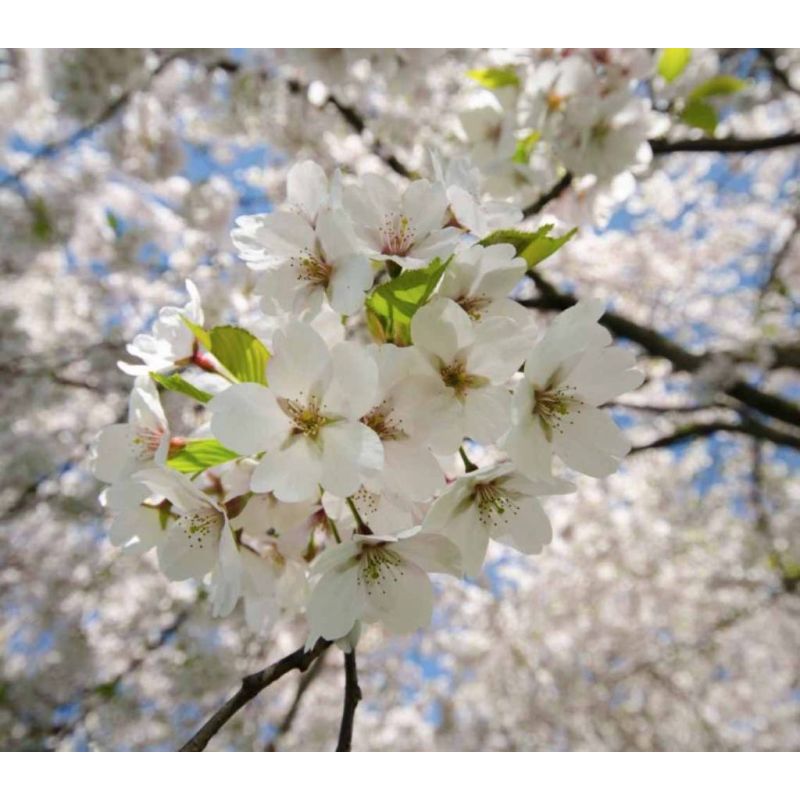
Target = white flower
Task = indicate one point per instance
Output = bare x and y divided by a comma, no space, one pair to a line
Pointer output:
409,227
198,538
171,343
307,421
121,449
481,278
410,469
378,579
309,253
466,395
136,524
568,373
494,502
468,210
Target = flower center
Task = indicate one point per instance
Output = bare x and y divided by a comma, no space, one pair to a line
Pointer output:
145,442
307,420
397,235
378,565
381,421
455,376
199,525
551,406
314,271
493,503
474,305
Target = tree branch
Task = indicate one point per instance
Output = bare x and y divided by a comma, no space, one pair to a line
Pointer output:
251,686
551,194
352,695
52,149
727,145
658,345
302,687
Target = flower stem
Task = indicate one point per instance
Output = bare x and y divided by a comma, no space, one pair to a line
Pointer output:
363,528
469,466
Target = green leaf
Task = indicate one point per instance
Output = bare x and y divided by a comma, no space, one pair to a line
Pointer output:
199,454
673,62
717,86
533,246
700,114
392,305
495,77
200,333
241,353
525,147
113,222
177,384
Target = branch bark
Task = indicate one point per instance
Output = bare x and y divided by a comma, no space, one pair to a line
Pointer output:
658,345
352,695
728,145
251,687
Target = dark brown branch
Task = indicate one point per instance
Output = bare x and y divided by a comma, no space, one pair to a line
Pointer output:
551,194
728,145
704,429
352,695
658,345
771,59
302,687
251,687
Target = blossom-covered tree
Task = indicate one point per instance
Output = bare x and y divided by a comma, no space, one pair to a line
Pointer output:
481,366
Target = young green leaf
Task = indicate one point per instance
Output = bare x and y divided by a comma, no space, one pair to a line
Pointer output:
392,305
241,353
495,77
175,383
200,333
525,146
673,62
199,454
717,86
700,114
533,246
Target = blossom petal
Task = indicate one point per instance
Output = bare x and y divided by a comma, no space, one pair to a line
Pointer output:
247,418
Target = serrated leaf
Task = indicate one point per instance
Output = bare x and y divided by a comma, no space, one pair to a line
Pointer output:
199,454
533,246
200,333
241,353
495,77
700,114
391,305
717,86
673,62
175,383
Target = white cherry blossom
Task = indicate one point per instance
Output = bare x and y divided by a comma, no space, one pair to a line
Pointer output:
568,374
494,502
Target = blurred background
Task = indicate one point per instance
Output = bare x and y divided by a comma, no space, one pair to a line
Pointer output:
664,616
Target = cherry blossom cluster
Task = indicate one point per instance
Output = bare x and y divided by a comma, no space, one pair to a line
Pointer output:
329,482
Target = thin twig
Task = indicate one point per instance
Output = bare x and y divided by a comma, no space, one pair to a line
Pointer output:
658,345
251,686
302,687
727,145
551,194
352,695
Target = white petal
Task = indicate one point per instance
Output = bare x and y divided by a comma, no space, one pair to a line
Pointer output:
307,187
442,328
487,413
354,388
300,365
425,205
181,556
411,470
292,473
351,278
113,453
401,598
336,235
335,604
350,450
601,375
247,418
528,530
226,579
431,552
529,449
